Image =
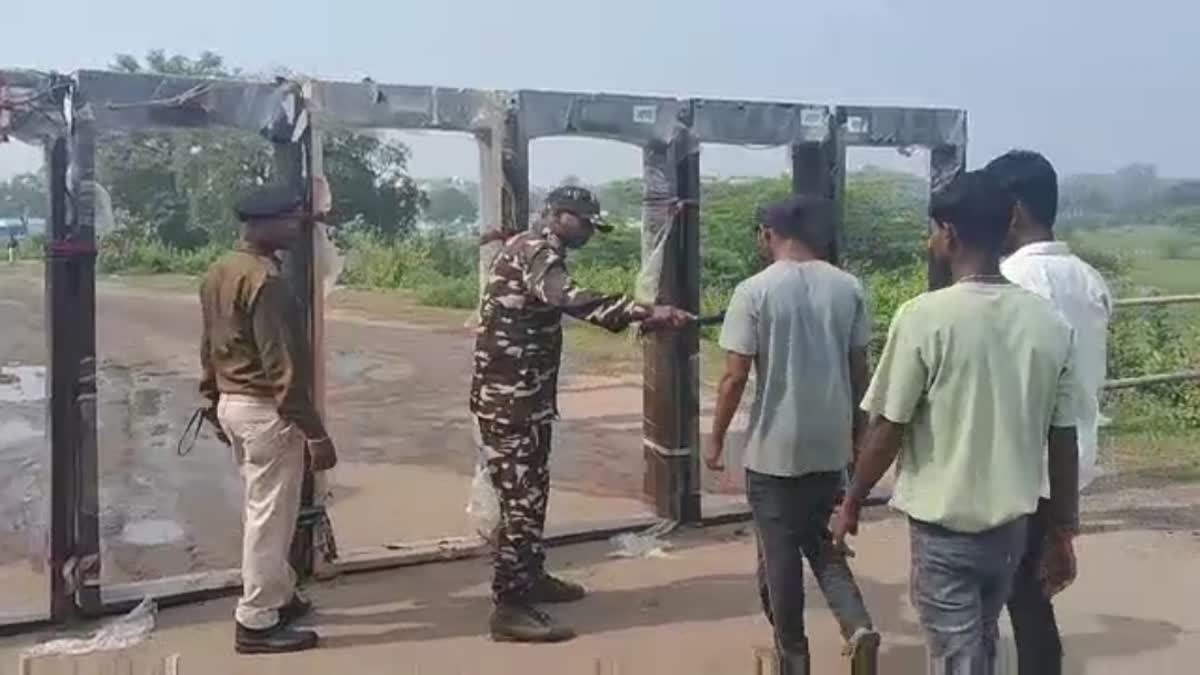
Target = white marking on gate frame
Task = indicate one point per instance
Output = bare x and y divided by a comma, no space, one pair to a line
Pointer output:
645,114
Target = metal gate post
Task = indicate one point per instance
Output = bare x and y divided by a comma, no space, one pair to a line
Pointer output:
62,428
292,156
503,181
819,169
671,424
72,251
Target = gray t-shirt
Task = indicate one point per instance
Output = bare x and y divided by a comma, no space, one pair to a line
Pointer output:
799,321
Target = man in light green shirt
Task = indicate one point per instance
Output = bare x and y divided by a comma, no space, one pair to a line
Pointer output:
974,377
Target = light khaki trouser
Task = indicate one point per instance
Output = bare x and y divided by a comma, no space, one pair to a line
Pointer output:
270,454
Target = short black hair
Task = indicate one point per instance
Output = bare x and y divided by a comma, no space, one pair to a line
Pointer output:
1031,179
805,218
977,206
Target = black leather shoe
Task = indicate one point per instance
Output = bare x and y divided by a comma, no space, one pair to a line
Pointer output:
279,639
295,610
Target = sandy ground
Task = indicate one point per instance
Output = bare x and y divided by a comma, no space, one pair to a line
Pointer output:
397,384
1131,611
398,377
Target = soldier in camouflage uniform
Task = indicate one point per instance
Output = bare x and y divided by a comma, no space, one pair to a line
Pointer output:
518,349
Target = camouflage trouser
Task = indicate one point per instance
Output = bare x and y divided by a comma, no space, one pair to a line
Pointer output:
517,463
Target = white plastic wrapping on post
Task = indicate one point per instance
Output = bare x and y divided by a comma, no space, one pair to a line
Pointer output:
483,504
492,139
660,206
658,220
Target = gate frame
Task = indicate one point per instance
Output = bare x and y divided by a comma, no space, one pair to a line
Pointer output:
669,131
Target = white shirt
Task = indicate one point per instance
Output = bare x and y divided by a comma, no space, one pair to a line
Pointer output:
1077,290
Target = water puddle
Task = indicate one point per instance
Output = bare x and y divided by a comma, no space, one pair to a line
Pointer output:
348,365
21,384
355,367
17,431
152,532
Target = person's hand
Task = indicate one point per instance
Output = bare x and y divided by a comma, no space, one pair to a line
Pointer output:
322,454
843,523
666,316
210,415
714,453
1057,568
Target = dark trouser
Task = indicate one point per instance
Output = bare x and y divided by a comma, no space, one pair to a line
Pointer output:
959,585
791,516
1035,630
517,460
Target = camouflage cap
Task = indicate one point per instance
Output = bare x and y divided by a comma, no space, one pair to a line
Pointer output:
579,201
269,201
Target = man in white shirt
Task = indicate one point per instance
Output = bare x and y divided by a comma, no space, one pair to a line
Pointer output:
1047,267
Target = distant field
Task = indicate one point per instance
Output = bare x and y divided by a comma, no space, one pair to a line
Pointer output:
1172,276
1160,257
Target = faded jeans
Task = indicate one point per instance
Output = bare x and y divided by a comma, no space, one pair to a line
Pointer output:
959,585
791,516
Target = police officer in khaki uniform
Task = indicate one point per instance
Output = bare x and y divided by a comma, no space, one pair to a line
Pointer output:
257,373
518,349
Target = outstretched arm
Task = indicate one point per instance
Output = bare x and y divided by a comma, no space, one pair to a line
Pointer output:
550,282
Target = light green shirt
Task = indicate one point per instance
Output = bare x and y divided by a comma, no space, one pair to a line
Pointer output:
979,373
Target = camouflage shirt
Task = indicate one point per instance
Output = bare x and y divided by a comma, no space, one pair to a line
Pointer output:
518,345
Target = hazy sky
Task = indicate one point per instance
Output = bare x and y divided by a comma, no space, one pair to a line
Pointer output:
1094,84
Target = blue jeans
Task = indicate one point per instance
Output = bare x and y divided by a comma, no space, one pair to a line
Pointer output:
959,585
791,517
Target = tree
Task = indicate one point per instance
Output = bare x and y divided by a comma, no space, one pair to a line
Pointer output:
622,199
1184,193
181,186
451,205
1136,187
23,196
370,183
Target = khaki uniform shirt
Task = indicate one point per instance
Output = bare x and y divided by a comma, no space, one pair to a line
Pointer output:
253,342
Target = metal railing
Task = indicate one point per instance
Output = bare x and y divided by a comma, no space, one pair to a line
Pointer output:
1191,375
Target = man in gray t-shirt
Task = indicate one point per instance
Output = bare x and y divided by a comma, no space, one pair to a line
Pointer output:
802,325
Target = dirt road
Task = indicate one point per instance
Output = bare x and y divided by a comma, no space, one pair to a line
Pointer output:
397,382
1132,610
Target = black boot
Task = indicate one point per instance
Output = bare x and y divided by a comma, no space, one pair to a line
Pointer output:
521,622
549,589
296,609
278,639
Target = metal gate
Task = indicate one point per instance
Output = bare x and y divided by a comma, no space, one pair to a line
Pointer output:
71,115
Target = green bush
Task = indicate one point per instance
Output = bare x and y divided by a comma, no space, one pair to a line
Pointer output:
1147,341
886,291
883,245
456,293
32,247
120,252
